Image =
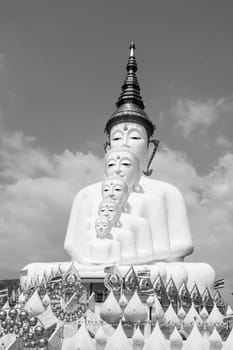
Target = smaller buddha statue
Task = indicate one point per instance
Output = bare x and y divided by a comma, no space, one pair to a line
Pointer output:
119,232
123,163
116,189
110,210
103,227
102,249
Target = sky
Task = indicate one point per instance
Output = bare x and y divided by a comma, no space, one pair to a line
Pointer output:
62,64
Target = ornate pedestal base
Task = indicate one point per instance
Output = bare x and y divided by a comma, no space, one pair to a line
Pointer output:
200,274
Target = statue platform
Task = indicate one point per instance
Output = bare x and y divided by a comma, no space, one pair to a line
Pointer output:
200,274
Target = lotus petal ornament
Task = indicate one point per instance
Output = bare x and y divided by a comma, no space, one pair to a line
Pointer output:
176,342
195,340
215,340
170,317
135,311
81,340
215,319
157,340
101,338
138,339
118,341
110,310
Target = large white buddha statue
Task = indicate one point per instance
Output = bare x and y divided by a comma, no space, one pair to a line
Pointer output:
152,210
159,203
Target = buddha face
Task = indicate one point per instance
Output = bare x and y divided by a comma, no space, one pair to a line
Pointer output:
102,227
115,189
132,136
124,164
109,210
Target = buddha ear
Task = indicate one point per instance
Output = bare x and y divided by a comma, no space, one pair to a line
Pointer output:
106,146
126,207
137,188
118,223
152,148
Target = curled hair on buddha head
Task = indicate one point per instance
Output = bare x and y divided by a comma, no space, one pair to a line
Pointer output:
134,186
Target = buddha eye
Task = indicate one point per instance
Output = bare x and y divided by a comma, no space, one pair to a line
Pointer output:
111,164
134,135
117,138
126,164
118,189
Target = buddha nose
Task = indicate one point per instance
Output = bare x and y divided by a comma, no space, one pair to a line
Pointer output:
117,169
125,141
111,194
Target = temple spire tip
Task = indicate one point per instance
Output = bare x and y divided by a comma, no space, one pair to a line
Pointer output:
132,49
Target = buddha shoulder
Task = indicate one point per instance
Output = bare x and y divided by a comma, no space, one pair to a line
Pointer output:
90,190
157,186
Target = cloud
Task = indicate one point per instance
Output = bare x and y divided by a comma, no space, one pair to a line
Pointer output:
209,200
195,115
223,142
36,193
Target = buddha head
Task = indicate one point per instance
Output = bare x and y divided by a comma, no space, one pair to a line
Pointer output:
110,210
134,137
115,189
103,227
122,163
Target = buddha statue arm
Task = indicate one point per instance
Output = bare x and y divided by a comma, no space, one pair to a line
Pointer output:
73,237
86,235
142,237
151,206
159,227
127,244
178,225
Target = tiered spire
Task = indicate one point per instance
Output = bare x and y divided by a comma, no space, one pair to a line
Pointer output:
130,106
130,88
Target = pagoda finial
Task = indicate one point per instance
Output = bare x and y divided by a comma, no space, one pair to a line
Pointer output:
132,49
130,106
130,90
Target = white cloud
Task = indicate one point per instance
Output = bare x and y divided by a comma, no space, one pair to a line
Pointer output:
36,193
195,115
222,141
209,200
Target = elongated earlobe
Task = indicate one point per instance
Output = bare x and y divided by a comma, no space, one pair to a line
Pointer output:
155,144
106,146
118,223
126,208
